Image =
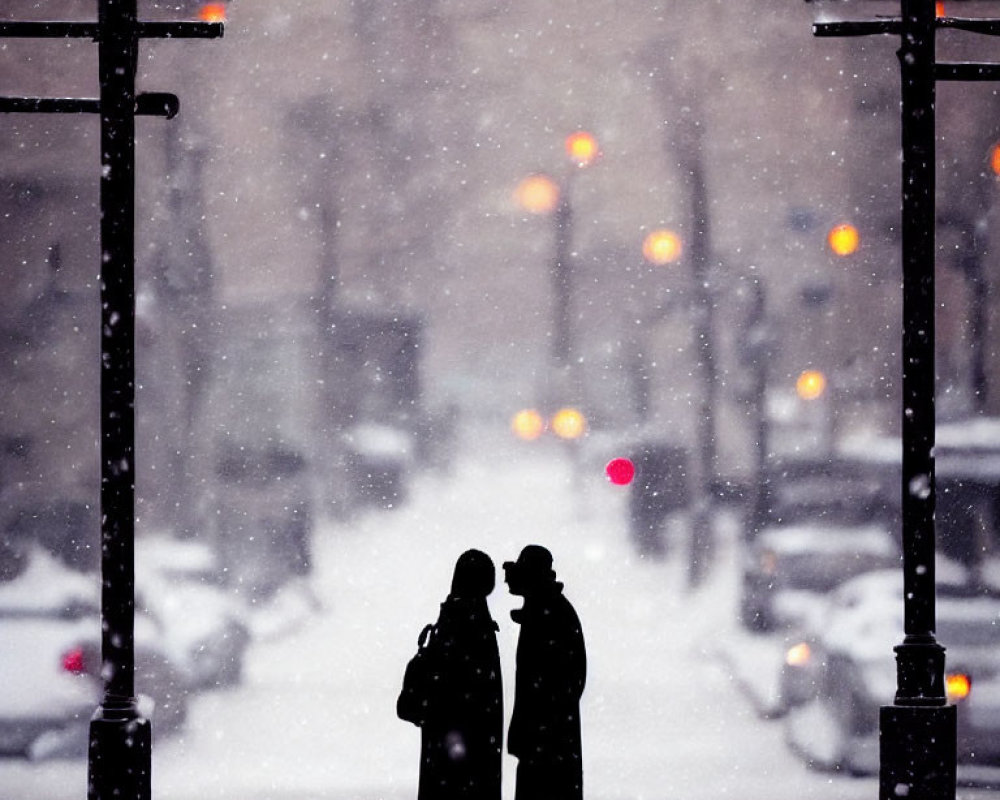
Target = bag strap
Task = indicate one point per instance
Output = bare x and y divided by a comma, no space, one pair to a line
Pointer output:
425,636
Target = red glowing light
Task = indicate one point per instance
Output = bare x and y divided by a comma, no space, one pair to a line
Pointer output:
73,661
620,471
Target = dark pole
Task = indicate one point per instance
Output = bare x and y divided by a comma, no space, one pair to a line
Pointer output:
701,523
758,345
120,749
117,75
917,733
979,289
562,281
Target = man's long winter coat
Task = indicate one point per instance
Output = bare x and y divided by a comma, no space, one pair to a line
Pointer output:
544,730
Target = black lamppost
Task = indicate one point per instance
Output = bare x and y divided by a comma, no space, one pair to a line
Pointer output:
686,144
542,194
120,749
917,732
662,247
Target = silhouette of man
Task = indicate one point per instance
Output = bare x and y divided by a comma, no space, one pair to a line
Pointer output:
551,664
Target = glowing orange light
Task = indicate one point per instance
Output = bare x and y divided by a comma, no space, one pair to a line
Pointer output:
995,159
939,8
538,194
843,239
212,12
662,247
568,423
957,686
527,424
582,148
798,655
810,384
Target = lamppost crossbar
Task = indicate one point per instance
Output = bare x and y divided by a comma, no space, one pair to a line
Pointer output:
147,104
92,30
894,25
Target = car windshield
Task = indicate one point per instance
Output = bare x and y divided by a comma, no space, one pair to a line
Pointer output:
388,292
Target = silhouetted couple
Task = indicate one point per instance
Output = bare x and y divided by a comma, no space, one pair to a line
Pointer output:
462,730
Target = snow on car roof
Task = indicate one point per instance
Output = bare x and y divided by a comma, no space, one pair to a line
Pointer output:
188,555
47,586
825,538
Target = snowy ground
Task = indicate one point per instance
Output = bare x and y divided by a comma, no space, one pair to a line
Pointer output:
663,713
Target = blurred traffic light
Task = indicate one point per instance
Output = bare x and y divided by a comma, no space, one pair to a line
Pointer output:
662,247
527,424
810,384
568,423
620,471
843,239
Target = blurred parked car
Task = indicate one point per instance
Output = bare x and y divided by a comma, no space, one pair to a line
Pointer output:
379,460
264,511
659,489
179,584
825,521
50,662
836,679
967,478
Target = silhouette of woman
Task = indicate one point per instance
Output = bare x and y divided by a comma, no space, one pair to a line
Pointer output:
460,750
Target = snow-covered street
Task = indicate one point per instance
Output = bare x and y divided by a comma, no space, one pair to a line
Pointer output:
315,716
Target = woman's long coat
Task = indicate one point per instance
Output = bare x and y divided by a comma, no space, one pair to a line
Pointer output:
462,738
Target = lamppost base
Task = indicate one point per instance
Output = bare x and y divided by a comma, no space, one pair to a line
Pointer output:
917,746
120,758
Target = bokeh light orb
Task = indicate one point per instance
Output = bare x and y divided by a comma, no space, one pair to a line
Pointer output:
212,12
662,247
538,194
995,159
582,148
843,239
620,471
527,424
810,384
568,423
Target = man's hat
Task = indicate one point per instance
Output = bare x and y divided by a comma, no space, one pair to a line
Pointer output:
534,560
